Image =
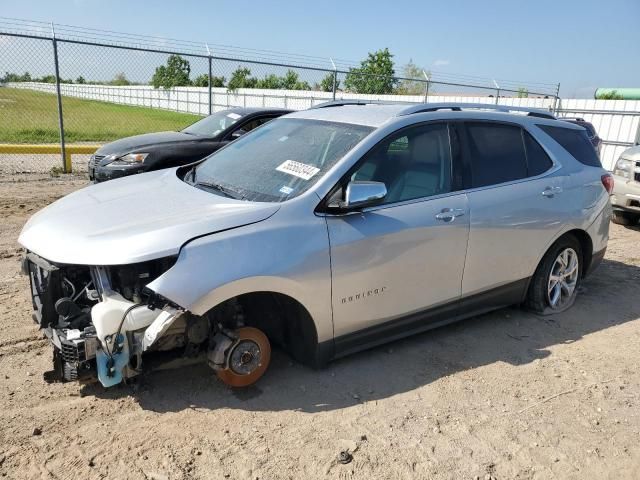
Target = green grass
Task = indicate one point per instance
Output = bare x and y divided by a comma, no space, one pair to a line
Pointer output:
32,117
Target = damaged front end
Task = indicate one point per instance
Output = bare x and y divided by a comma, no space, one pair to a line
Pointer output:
100,319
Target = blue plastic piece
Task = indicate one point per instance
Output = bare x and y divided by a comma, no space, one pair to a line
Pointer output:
120,360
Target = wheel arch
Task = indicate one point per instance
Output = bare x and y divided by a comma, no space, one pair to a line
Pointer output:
277,310
586,247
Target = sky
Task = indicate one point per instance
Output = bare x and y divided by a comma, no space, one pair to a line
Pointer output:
580,44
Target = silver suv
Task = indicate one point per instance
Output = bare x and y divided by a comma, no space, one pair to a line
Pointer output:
325,232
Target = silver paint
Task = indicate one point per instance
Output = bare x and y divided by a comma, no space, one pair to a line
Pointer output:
399,258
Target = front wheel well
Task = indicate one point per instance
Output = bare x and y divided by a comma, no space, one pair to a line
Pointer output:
284,320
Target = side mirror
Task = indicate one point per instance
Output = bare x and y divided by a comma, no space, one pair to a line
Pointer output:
364,194
238,133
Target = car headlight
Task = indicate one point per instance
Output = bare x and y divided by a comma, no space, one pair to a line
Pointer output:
623,168
128,160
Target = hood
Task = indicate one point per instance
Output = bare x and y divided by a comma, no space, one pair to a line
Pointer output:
137,142
133,219
632,153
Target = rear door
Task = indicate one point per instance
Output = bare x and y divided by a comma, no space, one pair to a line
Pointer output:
515,203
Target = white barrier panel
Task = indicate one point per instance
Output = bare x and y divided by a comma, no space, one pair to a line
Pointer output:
607,116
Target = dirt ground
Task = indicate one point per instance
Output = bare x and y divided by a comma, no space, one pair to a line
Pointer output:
507,395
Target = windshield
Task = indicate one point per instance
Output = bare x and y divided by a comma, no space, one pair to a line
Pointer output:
279,160
214,123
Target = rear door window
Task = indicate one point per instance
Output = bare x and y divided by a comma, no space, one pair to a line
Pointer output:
496,153
576,142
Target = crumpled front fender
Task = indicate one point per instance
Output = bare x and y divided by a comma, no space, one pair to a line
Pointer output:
270,256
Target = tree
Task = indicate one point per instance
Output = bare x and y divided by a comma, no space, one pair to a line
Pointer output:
270,81
374,76
522,92
291,81
120,80
14,77
326,84
218,82
413,82
203,81
174,74
241,78
81,80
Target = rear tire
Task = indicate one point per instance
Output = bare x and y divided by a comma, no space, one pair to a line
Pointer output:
555,283
624,218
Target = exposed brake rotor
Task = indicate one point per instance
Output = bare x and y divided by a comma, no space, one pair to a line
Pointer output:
247,359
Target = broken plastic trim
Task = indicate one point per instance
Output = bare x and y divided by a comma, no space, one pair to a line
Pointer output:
159,326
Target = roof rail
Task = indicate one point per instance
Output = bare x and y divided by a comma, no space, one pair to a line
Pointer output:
457,107
340,103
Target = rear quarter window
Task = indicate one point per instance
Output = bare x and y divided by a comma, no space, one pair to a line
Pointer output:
576,142
538,161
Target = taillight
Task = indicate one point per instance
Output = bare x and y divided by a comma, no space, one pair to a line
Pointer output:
607,182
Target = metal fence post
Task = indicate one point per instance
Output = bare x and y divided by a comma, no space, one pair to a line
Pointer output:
66,162
210,79
335,83
210,86
426,88
556,103
497,91
335,78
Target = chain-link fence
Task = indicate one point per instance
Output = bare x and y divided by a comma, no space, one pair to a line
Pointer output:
75,88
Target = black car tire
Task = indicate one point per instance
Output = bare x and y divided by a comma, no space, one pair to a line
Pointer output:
537,296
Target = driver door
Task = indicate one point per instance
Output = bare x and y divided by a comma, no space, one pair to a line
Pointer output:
397,267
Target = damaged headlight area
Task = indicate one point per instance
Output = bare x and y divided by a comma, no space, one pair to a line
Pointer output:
101,319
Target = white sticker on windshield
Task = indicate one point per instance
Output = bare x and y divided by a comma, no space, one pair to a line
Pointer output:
297,169
235,116
286,190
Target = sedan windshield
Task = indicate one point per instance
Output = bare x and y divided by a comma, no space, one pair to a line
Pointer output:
279,160
214,123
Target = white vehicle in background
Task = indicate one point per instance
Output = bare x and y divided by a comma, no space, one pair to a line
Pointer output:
626,191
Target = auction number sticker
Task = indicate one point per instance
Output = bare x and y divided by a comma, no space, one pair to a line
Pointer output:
297,169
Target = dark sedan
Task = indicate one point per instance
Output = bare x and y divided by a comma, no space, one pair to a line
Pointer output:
154,151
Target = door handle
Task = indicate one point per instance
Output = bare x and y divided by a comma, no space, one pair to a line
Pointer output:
549,192
449,214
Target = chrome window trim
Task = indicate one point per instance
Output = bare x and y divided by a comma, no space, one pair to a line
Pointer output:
555,167
549,172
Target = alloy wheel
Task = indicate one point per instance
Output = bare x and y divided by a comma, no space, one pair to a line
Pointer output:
563,278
